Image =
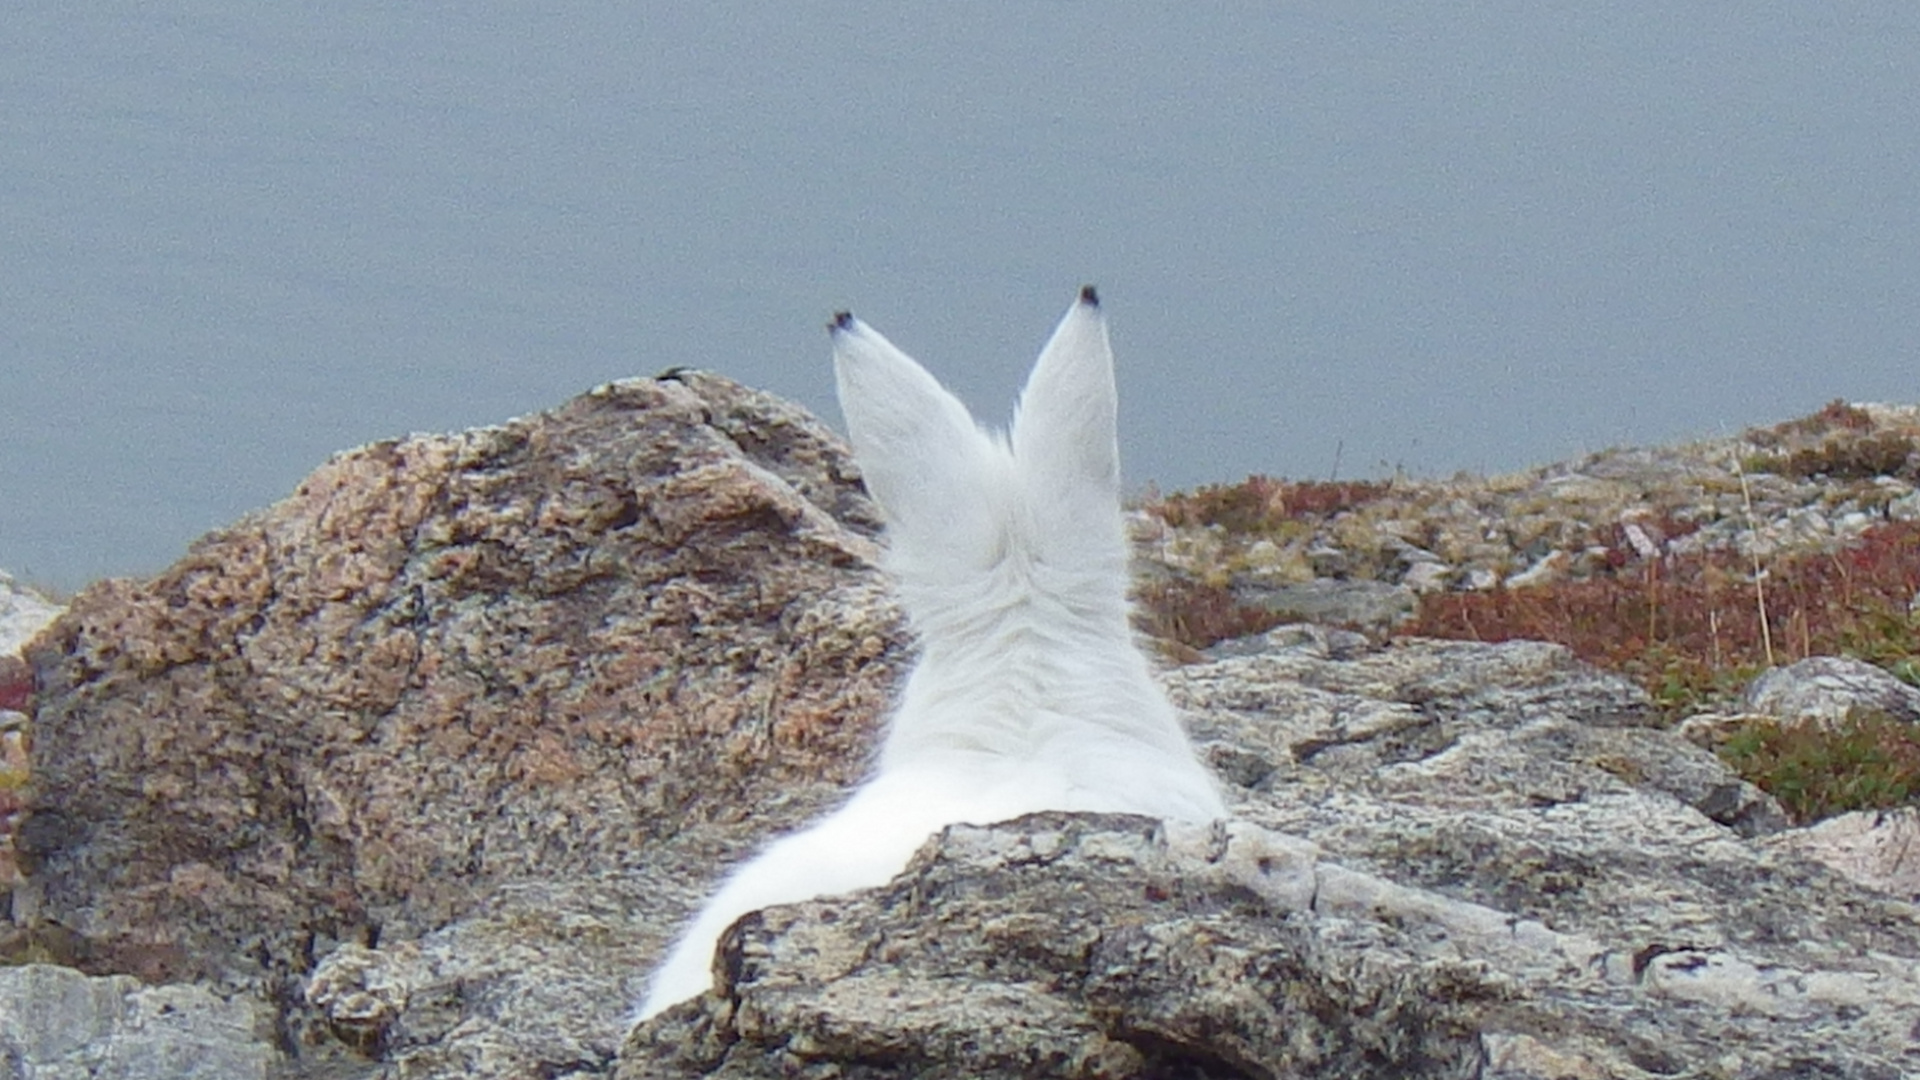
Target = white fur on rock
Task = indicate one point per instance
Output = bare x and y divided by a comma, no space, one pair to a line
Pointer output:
1011,561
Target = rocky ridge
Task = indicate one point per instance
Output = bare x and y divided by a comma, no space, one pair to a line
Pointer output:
1806,485
413,774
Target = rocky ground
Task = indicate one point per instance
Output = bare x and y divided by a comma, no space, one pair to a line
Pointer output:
412,774
1364,552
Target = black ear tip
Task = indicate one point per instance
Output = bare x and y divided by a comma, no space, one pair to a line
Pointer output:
1089,297
842,320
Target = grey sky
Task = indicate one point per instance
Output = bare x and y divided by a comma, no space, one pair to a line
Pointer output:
235,237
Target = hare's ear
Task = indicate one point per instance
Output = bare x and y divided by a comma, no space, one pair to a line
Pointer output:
923,456
1064,434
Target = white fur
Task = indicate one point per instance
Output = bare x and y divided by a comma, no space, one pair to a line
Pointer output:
1029,693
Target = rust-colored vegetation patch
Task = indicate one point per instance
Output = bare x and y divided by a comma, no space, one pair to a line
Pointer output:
1198,614
1690,627
16,684
1864,763
1262,504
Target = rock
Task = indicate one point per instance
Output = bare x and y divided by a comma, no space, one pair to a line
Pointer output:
23,613
1426,577
1551,567
1829,689
1905,507
58,1024
1105,946
1447,725
541,981
1879,849
606,648
1368,604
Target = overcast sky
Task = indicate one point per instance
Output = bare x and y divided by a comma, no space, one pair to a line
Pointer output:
236,237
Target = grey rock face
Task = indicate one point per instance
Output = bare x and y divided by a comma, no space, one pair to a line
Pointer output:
1879,849
57,1024
1086,946
1828,689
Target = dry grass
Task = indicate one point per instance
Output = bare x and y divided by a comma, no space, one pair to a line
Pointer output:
1690,627
1694,629
1840,442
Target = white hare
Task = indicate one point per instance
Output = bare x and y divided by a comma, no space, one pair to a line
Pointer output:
1029,693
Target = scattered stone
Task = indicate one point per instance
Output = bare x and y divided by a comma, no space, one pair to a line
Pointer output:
1366,604
1428,577
1749,493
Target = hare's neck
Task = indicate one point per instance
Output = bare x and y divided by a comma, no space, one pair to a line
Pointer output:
1021,613
1024,673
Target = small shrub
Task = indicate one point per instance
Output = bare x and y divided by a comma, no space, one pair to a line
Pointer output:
1864,763
1853,457
1835,416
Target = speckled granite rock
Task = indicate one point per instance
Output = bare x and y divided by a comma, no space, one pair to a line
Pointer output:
583,645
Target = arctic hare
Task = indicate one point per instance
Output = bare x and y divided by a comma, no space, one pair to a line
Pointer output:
1011,561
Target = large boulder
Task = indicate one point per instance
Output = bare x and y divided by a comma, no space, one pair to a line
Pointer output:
601,648
1082,946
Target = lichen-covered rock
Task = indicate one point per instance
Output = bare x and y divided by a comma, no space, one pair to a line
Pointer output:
58,1024
1448,725
617,642
540,980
